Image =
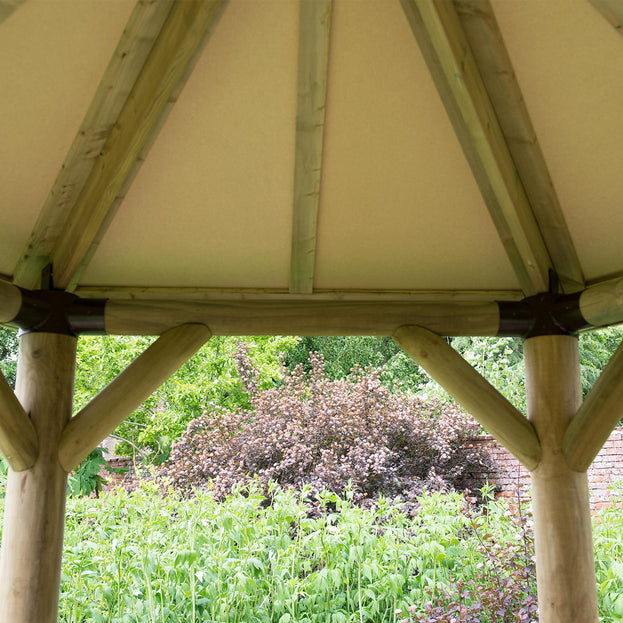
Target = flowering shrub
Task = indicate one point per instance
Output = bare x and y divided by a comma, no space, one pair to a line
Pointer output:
327,434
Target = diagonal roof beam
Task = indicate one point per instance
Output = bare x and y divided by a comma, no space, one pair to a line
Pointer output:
313,60
496,71
444,46
138,38
7,7
612,10
154,86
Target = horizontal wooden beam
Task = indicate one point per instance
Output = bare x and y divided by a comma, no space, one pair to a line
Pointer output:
451,63
300,317
10,301
496,414
313,63
100,121
128,390
19,444
602,304
279,294
600,412
496,70
183,33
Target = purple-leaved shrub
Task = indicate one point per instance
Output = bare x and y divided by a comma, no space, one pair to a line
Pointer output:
330,435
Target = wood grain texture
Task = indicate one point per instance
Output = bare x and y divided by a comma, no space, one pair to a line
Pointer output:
98,125
600,412
128,390
602,304
182,35
496,414
7,7
300,317
498,76
34,514
18,440
560,498
10,301
313,63
278,294
451,63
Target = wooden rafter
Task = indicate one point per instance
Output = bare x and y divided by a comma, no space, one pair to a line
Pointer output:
496,71
150,93
612,10
446,50
7,7
313,61
113,92
128,390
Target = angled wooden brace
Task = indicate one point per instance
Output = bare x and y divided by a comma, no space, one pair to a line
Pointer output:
496,414
19,444
600,412
128,390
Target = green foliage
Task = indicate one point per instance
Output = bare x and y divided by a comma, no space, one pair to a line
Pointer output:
145,557
342,354
500,361
87,479
4,468
596,348
608,543
8,354
208,379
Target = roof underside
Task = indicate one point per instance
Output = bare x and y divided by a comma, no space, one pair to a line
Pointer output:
460,150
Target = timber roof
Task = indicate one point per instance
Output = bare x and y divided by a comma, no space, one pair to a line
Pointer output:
410,150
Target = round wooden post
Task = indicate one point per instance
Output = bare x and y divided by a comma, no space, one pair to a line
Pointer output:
563,538
34,516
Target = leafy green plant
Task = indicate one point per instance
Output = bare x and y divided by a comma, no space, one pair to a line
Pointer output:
87,478
208,379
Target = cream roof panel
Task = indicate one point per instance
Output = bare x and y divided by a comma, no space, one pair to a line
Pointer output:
398,201
212,205
569,62
52,56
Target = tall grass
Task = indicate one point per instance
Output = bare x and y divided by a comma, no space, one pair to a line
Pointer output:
148,558
144,557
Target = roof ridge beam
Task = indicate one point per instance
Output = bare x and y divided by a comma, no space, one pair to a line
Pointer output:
445,48
313,64
496,70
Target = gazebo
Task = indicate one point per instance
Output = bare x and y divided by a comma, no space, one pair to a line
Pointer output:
406,168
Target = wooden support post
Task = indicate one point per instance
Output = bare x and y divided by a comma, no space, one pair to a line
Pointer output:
34,515
564,547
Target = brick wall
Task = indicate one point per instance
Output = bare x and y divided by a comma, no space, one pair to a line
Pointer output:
509,476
